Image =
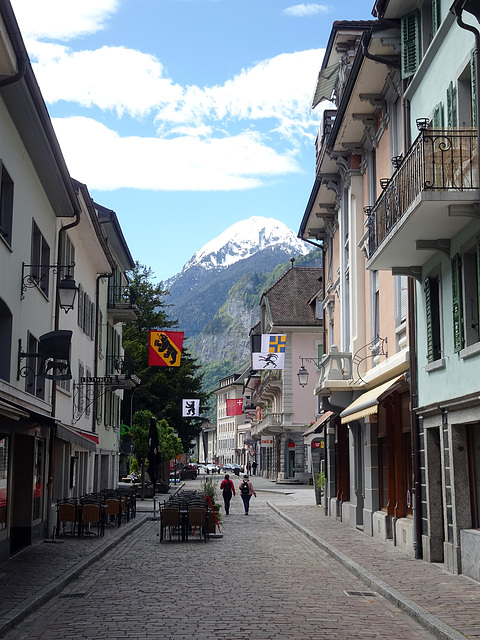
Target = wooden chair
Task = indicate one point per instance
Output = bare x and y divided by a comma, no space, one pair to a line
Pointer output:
66,514
169,519
197,519
112,511
92,513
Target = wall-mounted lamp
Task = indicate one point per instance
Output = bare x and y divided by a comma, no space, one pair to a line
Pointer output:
422,123
67,288
303,373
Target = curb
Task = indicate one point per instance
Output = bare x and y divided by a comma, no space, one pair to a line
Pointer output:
428,621
19,613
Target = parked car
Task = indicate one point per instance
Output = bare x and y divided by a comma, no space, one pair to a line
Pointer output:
201,468
231,467
213,468
189,472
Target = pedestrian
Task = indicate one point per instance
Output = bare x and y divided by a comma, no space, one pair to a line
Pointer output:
249,466
227,487
246,491
254,467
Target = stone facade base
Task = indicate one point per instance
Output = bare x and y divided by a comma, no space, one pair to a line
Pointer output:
346,513
404,535
432,549
382,526
470,553
451,558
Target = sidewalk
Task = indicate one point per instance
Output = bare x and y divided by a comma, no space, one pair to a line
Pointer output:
446,605
41,571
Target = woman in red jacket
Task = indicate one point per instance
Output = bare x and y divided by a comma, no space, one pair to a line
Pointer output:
227,487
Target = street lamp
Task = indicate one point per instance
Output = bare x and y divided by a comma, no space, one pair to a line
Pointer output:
66,289
303,373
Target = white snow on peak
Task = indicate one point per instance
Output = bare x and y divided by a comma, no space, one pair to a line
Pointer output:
244,239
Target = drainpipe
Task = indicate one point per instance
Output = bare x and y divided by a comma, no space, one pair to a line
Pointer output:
457,9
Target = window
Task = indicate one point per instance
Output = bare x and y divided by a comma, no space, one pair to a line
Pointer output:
433,318
6,205
67,256
34,384
467,95
410,38
4,448
473,451
465,296
452,105
5,341
86,313
40,260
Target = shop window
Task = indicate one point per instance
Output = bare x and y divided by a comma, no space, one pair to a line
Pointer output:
473,449
39,475
4,450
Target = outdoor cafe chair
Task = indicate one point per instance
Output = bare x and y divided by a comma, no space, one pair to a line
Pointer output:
169,519
66,514
197,519
113,511
92,513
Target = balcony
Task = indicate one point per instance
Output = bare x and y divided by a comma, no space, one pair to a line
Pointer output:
270,384
270,425
335,372
427,201
122,304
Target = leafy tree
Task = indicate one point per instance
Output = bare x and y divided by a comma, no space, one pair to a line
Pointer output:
170,445
162,388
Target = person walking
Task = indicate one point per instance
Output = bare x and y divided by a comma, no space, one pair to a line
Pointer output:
227,487
246,491
254,467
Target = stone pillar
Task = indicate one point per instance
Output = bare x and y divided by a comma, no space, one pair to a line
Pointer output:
370,464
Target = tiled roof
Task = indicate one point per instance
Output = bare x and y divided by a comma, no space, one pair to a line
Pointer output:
288,299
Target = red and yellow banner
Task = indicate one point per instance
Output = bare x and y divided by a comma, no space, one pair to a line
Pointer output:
165,348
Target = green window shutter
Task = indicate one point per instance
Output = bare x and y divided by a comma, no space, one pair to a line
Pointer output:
435,15
451,105
473,75
428,313
437,120
457,304
410,43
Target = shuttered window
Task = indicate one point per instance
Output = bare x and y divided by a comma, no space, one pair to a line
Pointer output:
457,304
410,43
432,308
437,120
451,105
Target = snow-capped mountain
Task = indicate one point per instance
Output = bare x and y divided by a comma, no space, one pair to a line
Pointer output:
244,239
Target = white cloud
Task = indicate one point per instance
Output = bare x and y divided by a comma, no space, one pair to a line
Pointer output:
106,161
111,78
310,9
62,19
278,89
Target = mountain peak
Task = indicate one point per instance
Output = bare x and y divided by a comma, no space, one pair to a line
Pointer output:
242,240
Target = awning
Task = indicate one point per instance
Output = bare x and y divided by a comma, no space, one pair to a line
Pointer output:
367,403
75,437
318,423
327,79
12,412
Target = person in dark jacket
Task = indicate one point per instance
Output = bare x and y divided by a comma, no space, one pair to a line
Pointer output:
246,491
228,488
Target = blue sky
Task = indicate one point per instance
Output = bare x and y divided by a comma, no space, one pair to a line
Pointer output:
184,116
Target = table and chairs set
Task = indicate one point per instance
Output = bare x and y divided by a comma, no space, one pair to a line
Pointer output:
91,513
184,515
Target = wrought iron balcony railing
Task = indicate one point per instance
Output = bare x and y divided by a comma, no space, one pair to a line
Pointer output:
121,296
440,160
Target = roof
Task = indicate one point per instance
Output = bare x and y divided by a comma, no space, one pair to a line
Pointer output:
288,298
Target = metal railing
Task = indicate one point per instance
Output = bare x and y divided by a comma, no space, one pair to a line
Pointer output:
438,160
121,296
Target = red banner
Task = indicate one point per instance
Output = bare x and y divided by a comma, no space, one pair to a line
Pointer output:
235,407
165,348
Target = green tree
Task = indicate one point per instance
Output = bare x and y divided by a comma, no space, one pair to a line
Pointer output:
170,445
162,388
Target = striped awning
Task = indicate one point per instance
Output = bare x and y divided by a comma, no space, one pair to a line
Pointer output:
327,79
367,403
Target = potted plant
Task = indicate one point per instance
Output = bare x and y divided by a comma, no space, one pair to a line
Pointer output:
319,481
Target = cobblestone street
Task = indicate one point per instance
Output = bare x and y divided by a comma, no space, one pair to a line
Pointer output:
262,580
